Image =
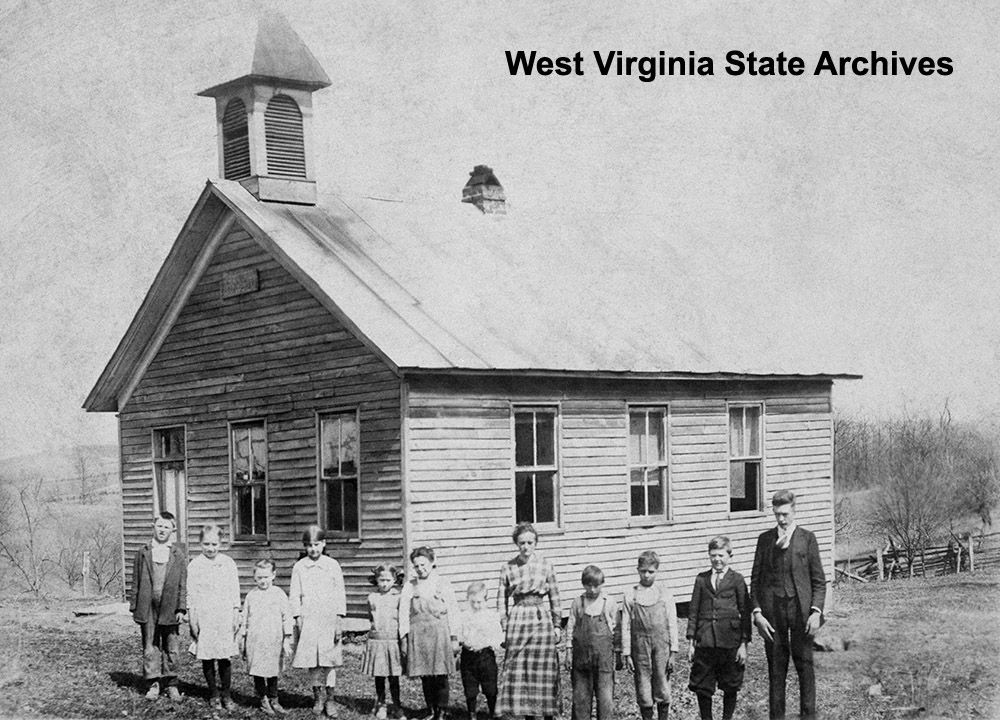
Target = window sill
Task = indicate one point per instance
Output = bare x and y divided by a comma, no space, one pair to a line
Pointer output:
746,513
247,542
642,521
343,539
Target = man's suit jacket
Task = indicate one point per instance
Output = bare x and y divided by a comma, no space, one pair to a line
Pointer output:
174,596
719,618
807,572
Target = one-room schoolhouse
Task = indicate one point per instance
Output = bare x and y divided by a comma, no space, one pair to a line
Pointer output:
416,373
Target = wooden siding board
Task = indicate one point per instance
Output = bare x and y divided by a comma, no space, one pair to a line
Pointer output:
276,354
460,445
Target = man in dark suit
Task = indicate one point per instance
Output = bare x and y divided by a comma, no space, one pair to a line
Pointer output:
788,589
158,602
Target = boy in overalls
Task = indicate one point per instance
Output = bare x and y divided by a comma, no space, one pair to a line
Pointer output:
649,638
590,635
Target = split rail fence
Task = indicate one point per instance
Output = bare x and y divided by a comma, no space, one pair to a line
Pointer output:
960,554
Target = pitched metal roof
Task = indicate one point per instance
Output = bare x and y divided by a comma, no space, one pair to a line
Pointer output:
443,287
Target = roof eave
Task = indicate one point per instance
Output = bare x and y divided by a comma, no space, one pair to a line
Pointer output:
627,374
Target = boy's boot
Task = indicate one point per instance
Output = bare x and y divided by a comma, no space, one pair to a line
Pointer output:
277,706
663,711
330,705
265,705
173,693
319,699
646,713
154,691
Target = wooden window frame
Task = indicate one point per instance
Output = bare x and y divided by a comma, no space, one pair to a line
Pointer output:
321,481
260,538
555,410
159,462
663,464
745,457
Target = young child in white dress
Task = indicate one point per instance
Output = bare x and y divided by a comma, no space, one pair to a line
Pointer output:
319,604
214,614
266,635
381,659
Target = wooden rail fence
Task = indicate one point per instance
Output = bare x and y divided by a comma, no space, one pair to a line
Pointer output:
960,554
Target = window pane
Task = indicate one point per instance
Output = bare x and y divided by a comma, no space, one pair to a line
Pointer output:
752,473
524,493
259,452
737,479
638,500
241,455
329,430
545,436
334,505
259,510
545,497
636,433
736,432
168,443
753,429
654,492
244,511
637,492
351,520
655,449
524,443
349,445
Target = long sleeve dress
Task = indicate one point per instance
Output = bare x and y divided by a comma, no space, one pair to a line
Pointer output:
213,604
317,595
267,621
427,610
529,598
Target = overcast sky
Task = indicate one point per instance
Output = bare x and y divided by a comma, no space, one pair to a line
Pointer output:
864,207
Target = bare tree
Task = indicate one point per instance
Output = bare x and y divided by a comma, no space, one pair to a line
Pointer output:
70,558
104,543
23,520
82,471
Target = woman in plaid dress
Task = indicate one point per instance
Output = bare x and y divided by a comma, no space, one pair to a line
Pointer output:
528,602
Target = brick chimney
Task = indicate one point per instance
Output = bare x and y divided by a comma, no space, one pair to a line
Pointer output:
484,191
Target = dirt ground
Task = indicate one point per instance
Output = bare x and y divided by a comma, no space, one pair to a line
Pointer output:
915,648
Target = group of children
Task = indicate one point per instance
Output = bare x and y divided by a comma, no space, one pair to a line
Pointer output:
414,630
271,631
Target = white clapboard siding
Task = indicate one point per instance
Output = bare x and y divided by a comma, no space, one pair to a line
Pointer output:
459,460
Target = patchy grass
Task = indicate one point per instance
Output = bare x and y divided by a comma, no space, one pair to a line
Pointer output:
929,643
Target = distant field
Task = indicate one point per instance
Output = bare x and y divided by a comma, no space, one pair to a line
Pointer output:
931,644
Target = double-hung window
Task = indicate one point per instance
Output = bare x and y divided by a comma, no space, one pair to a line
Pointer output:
536,481
248,476
339,472
746,459
169,473
649,476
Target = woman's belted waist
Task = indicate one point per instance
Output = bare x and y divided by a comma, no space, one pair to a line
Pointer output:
530,599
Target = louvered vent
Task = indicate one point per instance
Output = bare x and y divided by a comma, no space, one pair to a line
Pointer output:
235,141
286,155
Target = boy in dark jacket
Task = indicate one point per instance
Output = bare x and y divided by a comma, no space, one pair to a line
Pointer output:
158,602
718,630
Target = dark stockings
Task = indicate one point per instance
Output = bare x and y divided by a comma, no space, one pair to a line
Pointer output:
435,692
728,705
393,690
225,676
265,686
